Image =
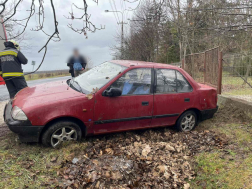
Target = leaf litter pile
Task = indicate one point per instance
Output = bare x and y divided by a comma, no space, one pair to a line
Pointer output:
159,158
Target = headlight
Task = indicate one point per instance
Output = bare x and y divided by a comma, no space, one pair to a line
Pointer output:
18,114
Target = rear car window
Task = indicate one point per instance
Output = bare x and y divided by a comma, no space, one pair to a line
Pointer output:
171,81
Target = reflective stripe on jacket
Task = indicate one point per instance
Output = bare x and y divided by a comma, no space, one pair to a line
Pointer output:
8,53
13,74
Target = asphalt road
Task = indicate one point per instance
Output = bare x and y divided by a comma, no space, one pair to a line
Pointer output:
4,95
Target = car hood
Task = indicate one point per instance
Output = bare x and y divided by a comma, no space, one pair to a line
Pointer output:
45,93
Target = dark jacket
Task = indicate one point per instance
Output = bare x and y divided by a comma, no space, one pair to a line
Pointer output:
71,61
11,60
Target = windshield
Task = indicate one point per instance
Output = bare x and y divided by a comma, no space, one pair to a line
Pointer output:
98,76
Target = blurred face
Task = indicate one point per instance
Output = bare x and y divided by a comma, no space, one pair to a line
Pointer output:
76,53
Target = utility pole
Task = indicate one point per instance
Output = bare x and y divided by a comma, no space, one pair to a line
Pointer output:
33,64
122,32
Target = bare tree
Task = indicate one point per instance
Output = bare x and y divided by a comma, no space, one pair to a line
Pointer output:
164,30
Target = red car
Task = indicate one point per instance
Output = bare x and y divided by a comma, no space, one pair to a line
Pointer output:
2,81
112,97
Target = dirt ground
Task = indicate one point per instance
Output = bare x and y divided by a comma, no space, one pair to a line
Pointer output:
3,128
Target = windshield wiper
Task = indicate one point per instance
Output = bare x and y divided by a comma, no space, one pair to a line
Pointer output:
79,86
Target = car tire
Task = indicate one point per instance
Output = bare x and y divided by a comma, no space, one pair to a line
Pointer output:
187,121
60,132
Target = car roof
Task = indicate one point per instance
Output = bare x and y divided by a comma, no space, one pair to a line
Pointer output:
129,63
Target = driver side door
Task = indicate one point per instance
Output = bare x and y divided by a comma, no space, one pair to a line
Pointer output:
131,110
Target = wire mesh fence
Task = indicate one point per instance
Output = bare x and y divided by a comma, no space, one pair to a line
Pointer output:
231,74
205,67
237,76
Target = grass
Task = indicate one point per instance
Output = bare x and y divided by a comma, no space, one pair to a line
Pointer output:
230,167
243,91
45,75
237,81
24,165
218,172
235,86
239,134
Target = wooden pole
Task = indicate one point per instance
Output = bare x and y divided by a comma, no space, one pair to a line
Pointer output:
220,73
205,67
183,64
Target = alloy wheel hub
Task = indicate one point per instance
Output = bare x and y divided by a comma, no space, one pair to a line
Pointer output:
63,134
188,122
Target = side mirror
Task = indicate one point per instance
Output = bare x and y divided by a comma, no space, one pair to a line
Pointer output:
112,92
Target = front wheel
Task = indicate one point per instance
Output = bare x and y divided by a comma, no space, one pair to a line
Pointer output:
187,121
61,132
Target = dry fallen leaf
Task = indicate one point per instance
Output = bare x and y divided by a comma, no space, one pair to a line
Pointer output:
109,151
54,159
162,168
116,175
107,174
167,175
170,148
97,184
95,90
137,159
186,186
90,96
66,177
146,150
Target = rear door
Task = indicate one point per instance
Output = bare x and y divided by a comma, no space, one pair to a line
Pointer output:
133,109
172,95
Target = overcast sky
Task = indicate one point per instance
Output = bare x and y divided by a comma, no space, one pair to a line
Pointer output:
98,45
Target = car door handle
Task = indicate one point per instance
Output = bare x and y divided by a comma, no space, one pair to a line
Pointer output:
145,103
187,99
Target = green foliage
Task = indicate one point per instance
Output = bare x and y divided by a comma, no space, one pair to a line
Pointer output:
171,56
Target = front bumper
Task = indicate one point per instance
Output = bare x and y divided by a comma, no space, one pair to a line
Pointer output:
207,114
25,130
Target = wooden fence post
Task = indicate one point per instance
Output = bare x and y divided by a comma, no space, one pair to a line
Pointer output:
205,67
220,73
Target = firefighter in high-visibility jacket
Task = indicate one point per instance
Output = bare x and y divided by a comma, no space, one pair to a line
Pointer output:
11,60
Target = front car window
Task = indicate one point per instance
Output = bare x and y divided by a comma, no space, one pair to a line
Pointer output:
134,82
99,76
171,81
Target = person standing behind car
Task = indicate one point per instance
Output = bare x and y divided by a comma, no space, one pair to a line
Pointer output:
76,63
11,60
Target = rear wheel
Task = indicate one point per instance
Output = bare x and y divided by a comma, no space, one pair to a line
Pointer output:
61,132
187,121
